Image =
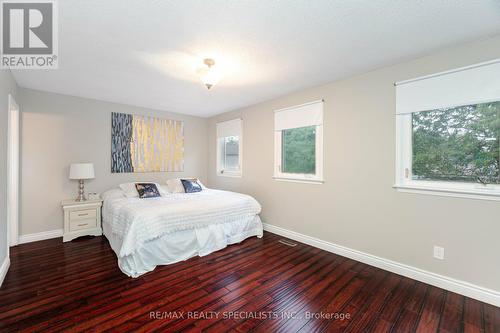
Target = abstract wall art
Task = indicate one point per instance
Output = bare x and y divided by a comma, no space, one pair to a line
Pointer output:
146,144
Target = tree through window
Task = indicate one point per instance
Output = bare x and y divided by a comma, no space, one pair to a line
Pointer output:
457,144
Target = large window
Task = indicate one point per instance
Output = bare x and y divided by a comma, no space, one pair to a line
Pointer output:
448,129
457,144
229,157
299,143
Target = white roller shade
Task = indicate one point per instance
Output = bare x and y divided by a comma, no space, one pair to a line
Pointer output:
470,85
310,114
229,128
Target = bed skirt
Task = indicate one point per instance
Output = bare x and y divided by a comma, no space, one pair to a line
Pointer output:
182,245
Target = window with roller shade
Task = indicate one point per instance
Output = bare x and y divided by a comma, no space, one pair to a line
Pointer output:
299,143
448,133
229,142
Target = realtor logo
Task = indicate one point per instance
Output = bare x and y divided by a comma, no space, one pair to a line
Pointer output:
29,34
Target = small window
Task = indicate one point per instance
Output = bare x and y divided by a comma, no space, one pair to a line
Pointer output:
299,143
231,153
229,138
448,133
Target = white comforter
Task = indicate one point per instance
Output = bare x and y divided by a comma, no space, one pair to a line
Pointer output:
135,221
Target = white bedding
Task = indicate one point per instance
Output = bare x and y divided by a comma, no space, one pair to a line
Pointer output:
141,230
182,245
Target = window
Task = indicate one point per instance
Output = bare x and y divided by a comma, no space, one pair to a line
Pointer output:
299,143
448,132
299,150
229,139
457,144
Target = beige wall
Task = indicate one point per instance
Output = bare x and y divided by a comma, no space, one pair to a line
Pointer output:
357,206
58,130
7,86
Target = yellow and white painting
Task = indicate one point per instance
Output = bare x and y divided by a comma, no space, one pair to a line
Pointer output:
146,144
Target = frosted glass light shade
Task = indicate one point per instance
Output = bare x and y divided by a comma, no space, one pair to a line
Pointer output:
81,171
209,73
211,77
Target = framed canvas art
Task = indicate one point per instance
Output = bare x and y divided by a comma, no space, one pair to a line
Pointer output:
146,144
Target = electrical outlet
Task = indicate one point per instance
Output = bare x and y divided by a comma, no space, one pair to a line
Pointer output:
439,252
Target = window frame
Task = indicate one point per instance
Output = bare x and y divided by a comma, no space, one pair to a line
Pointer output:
221,154
404,162
317,177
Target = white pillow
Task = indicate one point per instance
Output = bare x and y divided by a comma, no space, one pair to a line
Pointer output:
201,184
174,185
163,190
113,194
130,190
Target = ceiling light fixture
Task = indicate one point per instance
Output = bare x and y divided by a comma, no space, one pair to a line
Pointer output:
209,74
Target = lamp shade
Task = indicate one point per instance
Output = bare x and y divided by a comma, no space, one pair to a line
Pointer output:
81,171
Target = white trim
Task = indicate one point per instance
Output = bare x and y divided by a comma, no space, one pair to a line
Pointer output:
28,238
455,70
4,269
13,123
449,192
296,180
230,174
461,287
403,148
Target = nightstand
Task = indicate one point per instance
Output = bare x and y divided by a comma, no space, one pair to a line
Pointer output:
81,218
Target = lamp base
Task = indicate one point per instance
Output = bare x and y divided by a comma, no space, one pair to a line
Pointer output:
81,193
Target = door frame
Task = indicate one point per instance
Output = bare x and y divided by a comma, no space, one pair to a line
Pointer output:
13,135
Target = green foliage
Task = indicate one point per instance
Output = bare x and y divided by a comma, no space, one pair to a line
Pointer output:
299,150
458,144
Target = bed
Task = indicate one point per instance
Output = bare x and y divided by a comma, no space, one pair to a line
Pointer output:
145,233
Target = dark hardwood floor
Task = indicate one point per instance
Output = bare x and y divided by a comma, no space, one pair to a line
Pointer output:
259,285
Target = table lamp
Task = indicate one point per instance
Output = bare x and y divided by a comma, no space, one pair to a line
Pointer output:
80,172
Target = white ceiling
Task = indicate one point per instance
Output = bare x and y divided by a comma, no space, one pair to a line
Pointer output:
145,53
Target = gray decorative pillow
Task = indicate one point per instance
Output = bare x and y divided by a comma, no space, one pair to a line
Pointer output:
147,190
191,185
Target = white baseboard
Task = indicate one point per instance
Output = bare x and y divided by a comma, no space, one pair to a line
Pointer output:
460,287
4,268
28,238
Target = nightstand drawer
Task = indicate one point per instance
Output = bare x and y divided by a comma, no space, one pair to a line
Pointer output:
82,224
82,214
81,218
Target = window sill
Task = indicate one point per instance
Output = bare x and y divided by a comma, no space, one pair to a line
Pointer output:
296,180
478,194
230,175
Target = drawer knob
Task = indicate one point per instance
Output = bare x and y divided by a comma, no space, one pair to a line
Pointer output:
82,225
84,214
